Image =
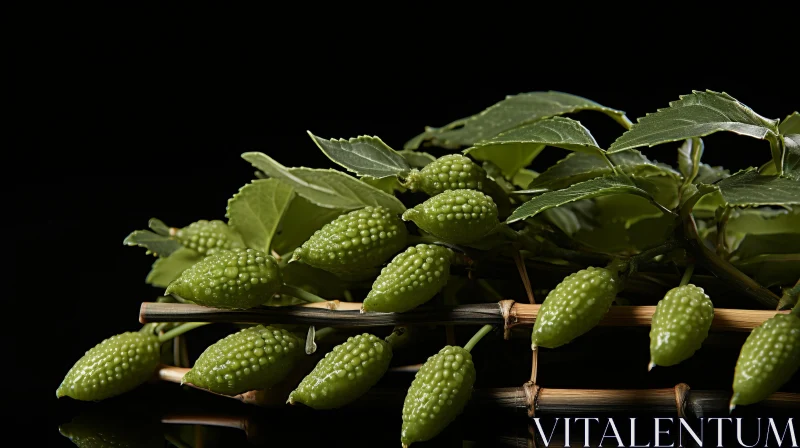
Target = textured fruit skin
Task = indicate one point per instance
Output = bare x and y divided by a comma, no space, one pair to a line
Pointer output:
450,172
438,394
355,242
204,235
112,367
680,325
345,373
412,278
237,278
575,306
769,358
257,357
456,216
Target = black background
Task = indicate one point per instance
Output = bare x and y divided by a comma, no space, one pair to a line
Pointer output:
118,125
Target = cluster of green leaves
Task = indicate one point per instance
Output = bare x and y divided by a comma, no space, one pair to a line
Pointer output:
611,201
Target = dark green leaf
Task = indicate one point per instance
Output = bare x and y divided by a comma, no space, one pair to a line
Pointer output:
524,177
167,269
300,221
790,124
326,188
316,281
571,218
509,113
791,159
696,115
416,159
707,174
747,187
770,243
363,155
255,211
590,189
158,245
527,141
764,220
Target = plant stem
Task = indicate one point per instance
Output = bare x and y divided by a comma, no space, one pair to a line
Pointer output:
687,275
477,338
300,293
180,329
722,247
324,333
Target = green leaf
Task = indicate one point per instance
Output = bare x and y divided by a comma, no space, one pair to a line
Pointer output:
707,174
416,159
511,157
363,155
747,188
689,155
579,167
386,184
571,218
158,226
771,243
513,111
790,124
590,189
524,177
526,142
158,245
696,115
791,158
299,222
256,210
326,188
763,220
167,269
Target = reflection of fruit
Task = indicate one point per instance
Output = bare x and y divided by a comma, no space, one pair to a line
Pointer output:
204,235
450,172
238,278
102,430
456,216
680,325
355,242
769,358
254,358
345,373
440,391
412,278
112,367
574,307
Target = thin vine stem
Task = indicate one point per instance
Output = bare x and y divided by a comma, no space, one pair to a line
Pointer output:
687,275
179,330
301,294
477,338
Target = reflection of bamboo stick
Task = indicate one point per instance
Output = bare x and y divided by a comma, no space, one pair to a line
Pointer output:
545,400
474,314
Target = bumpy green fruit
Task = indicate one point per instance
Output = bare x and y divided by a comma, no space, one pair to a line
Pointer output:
257,357
456,216
680,325
345,373
412,278
112,367
438,394
575,306
450,172
769,358
355,243
237,278
204,235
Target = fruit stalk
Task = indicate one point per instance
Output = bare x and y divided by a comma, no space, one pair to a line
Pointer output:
687,275
179,330
301,294
477,337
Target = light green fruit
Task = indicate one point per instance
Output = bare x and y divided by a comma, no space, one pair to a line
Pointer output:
456,216
355,244
412,278
115,366
574,307
237,278
769,358
205,235
255,358
450,172
680,325
345,373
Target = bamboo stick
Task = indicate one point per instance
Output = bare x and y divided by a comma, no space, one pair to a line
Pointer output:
518,314
544,401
